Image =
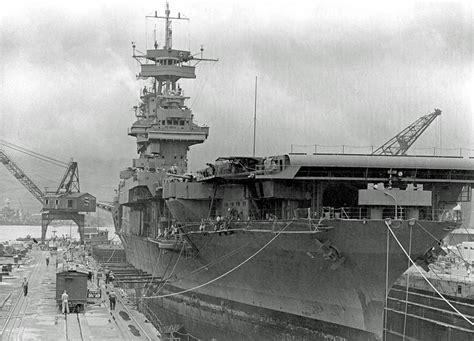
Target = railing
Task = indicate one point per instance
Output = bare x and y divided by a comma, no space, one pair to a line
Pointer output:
346,149
389,212
345,213
306,220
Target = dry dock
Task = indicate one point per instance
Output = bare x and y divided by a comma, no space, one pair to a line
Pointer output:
37,315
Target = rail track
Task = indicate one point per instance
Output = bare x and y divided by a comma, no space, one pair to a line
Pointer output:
12,326
73,326
37,313
14,318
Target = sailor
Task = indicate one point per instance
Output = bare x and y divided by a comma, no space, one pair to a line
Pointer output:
145,91
111,277
218,222
47,260
175,230
25,286
112,300
273,166
65,302
98,276
107,276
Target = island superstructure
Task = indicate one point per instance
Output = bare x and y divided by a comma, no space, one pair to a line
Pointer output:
290,246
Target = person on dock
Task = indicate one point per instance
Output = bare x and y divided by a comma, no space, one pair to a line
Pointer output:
112,300
107,276
25,286
47,260
65,302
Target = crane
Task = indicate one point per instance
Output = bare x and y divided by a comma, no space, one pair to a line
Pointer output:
66,203
400,143
21,176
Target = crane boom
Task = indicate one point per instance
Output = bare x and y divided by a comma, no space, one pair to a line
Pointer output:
400,143
106,206
21,176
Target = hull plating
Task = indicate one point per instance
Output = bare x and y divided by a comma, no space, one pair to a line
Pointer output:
289,277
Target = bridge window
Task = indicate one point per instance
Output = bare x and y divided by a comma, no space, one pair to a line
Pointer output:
69,203
47,201
56,202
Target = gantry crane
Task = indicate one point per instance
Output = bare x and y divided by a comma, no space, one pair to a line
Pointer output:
66,203
400,143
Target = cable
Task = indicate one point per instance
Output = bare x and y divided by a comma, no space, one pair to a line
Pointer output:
211,264
174,267
147,285
226,273
432,236
204,267
426,279
33,154
386,283
406,292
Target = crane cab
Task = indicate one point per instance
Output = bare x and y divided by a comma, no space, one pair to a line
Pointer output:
72,202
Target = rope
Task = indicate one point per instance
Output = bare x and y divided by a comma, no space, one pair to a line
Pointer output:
456,255
210,264
408,280
108,260
172,270
428,232
228,272
426,279
386,284
153,271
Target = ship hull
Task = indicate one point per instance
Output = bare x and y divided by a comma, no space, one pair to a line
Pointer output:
258,284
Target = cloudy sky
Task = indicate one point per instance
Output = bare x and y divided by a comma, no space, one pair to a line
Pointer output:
329,73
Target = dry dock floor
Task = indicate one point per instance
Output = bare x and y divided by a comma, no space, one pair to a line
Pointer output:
37,316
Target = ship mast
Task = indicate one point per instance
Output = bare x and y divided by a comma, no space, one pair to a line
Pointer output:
168,31
164,128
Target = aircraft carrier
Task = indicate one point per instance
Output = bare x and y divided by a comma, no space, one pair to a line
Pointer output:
288,247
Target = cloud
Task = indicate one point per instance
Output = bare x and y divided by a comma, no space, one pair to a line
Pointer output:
329,73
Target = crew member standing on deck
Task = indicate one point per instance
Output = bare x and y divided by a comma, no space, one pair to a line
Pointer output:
25,286
47,260
65,301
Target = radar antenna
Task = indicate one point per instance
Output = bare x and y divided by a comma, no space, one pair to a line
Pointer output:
400,143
